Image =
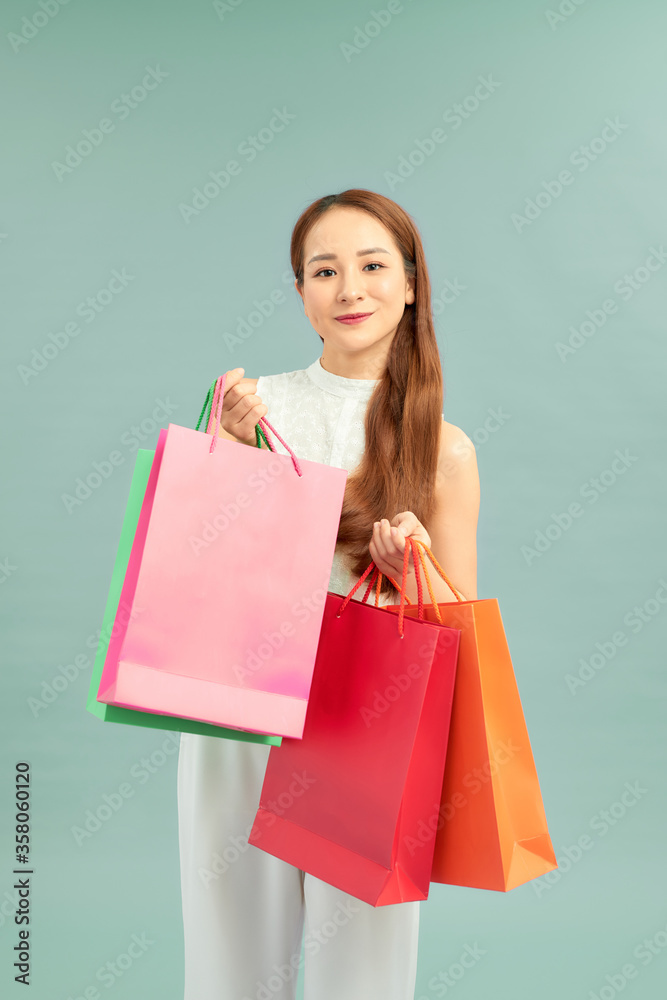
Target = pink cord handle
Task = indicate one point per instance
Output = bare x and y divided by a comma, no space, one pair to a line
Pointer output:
216,416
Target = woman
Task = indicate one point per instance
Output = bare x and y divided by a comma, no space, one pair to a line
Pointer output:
372,404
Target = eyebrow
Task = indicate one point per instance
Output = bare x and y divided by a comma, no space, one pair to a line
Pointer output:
360,253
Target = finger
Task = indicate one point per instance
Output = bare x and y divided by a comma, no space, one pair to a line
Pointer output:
387,540
242,406
232,393
392,548
386,568
246,411
379,540
394,542
407,522
401,543
374,554
398,539
232,379
236,389
411,527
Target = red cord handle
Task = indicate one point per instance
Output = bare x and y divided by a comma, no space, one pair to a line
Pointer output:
377,575
418,559
420,550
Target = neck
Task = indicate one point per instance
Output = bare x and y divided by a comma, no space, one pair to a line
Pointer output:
369,364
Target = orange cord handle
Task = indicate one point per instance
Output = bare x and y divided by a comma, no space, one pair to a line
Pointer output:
417,558
428,584
440,570
414,542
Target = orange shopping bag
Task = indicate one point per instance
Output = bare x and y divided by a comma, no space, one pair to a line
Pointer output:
490,827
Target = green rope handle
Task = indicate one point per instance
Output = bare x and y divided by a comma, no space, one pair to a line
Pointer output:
206,408
206,411
259,433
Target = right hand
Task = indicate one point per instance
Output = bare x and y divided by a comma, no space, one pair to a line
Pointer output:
241,407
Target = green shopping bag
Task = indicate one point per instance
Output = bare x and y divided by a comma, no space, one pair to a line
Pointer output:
112,713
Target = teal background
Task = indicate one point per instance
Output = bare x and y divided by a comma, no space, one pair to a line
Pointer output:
163,337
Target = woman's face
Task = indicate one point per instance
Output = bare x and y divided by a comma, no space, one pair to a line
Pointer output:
359,269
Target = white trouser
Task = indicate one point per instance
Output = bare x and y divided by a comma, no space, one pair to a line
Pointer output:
244,909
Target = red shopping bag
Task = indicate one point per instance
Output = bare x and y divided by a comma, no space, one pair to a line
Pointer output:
225,588
491,830
349,802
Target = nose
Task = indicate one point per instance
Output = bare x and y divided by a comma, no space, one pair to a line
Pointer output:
351,287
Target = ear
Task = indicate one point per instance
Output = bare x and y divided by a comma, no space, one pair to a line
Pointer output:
296,285
410,290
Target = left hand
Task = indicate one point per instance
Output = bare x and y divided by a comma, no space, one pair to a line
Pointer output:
388,542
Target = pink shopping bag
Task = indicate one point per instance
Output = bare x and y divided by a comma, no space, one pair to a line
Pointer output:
226,583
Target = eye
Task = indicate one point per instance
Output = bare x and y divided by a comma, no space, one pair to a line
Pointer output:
371,264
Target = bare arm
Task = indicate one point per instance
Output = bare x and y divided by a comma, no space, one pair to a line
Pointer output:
453,529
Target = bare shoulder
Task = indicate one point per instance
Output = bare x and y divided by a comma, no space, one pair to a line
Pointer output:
457,451
457,477
453,528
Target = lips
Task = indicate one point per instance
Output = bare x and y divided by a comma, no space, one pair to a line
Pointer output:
353,317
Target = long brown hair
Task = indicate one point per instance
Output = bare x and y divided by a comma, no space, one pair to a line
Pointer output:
404,414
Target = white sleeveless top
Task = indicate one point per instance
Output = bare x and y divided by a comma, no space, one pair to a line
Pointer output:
321,417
